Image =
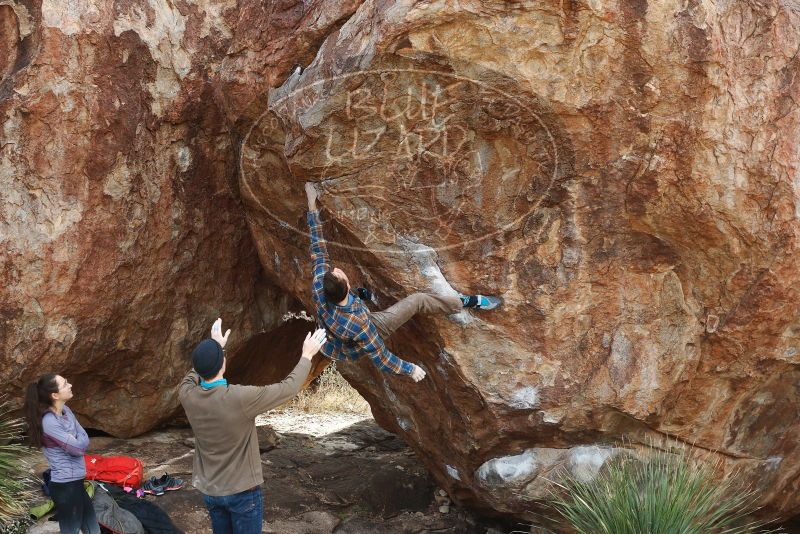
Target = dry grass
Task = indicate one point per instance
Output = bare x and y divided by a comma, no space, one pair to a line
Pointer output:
330,392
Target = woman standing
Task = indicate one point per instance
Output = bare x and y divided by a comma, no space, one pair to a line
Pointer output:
52,426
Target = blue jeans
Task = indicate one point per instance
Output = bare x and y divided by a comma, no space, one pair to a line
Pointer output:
73,507
240,513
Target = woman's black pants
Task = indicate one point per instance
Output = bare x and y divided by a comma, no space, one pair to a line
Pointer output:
73,507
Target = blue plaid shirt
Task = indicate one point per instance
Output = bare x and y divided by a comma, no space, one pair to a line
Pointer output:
351,334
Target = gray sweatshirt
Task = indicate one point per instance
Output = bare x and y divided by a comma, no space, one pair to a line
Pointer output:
226,455
64,442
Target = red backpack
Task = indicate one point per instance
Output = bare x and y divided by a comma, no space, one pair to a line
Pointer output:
121,470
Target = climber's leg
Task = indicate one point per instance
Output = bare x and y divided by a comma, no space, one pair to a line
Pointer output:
392,318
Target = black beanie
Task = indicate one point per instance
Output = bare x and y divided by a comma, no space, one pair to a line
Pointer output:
207,358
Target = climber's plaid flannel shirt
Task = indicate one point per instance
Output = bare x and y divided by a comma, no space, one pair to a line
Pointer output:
351,334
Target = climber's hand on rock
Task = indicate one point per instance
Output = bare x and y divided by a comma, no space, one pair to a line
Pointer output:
312,194
417,374
313,343
216,333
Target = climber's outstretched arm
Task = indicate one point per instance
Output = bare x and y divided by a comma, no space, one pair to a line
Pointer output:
372,345
320,261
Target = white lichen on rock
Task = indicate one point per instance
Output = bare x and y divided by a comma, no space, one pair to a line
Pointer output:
524,398
507,470
453,472
404,423
584,462
69,16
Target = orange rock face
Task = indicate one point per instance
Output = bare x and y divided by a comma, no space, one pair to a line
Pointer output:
623,174
122,235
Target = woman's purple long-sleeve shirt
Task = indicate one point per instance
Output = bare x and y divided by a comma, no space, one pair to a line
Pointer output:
64,441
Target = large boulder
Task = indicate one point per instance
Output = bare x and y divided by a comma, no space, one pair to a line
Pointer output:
122,235
623,174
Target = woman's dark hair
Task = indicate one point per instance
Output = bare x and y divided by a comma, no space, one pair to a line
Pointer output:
37,399
335,289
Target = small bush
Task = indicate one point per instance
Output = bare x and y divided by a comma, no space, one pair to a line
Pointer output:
330,392
16,481
661,493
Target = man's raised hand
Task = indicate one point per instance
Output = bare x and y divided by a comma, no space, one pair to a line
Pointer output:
216,333
417,374
312,194
313,343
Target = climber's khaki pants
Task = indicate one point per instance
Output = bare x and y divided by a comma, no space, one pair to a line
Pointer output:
392,318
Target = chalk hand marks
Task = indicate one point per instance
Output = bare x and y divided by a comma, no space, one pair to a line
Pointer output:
409,149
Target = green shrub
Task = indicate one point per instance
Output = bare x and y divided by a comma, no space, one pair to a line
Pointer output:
16,481
660,493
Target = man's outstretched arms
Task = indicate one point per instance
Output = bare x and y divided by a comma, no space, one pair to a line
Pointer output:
371,344
363,333
320,262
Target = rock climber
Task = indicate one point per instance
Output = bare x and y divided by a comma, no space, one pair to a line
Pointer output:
354,331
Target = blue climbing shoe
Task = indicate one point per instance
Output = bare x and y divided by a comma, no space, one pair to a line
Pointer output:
480,302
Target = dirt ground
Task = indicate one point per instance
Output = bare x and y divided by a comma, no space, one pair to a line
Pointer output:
323,474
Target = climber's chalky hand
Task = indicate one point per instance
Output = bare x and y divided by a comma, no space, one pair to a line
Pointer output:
312,195
417,374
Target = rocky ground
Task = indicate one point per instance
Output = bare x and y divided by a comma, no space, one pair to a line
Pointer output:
324,473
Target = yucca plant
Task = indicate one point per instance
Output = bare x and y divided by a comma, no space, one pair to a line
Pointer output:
659,493
16,481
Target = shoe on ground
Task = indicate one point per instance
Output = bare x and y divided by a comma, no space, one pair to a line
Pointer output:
152,487
168,483
480,302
